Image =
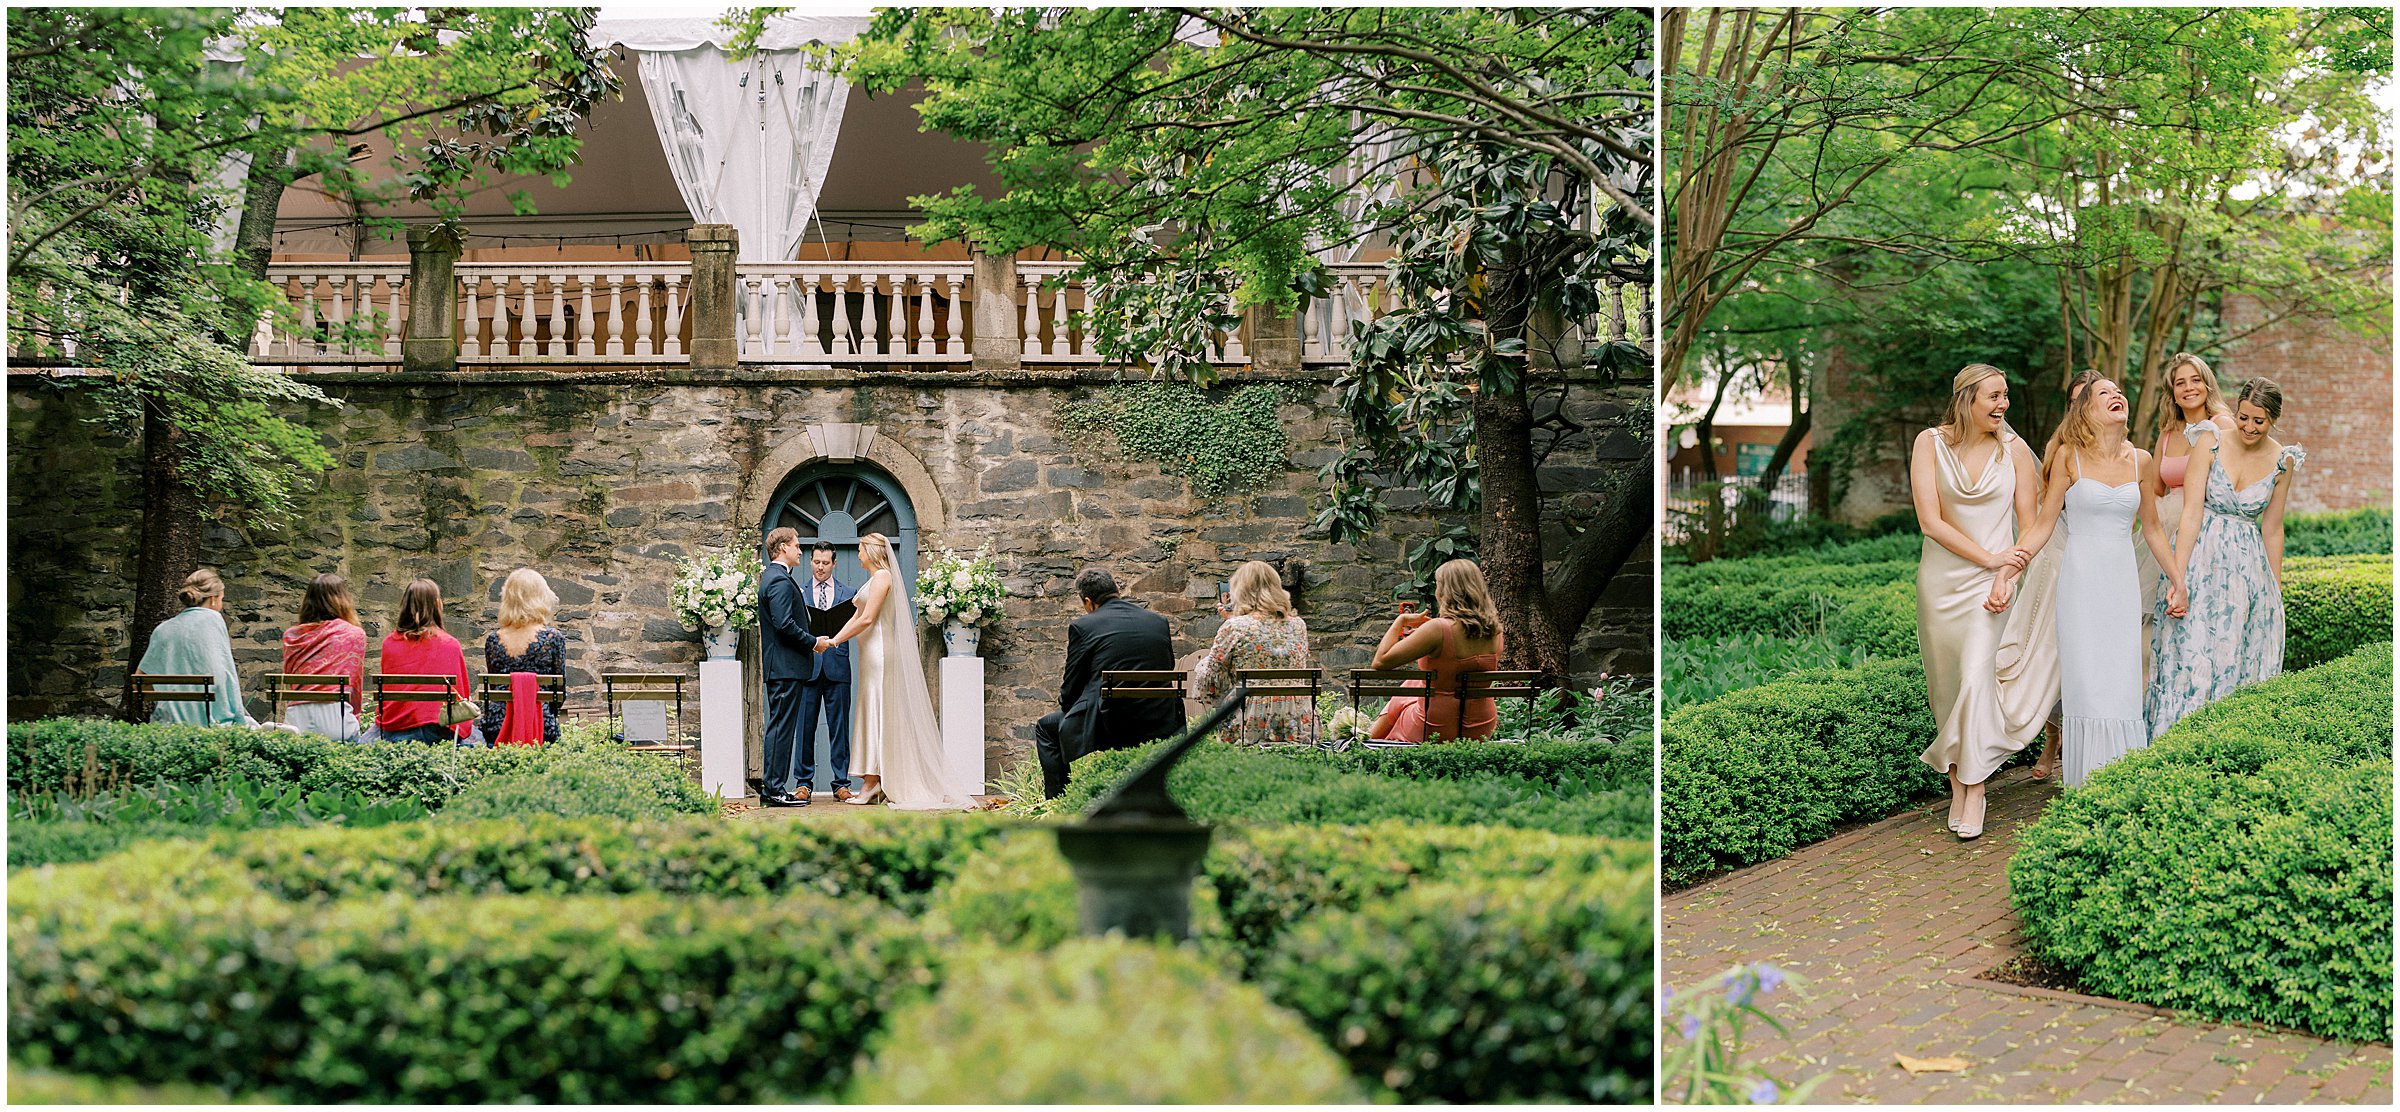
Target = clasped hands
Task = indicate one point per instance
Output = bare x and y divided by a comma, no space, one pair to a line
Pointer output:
823,644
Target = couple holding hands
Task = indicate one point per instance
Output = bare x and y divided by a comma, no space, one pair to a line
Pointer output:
877,706
2013,627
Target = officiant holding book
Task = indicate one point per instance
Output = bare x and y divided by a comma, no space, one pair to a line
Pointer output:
825,695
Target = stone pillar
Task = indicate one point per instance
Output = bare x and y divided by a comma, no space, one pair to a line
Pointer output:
714,290
1549,342
431,341
1274,340
998,346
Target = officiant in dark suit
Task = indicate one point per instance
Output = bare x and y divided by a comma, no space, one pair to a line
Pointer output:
826,693
1113,634
789,659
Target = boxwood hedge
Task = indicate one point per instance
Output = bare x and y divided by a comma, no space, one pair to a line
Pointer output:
1760,772
1100,1020
633,997
1594,788
2332,605
1485,990
2240,867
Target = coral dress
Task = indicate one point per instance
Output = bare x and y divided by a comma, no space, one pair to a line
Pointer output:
2232,632
1990,693
1447,665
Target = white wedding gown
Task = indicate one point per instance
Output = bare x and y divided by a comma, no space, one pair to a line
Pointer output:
893,733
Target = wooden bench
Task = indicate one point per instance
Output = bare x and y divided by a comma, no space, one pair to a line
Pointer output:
648,687
1282,683
1494,685
150,690
300,687
1137,684
384,682
1391,683
492,690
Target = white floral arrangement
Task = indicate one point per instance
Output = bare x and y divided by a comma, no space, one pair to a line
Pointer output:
1349,724
965,589
718,589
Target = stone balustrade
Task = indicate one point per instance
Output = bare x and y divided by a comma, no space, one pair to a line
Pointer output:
988,313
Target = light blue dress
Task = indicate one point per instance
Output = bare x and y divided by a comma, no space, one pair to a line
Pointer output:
2232,632
2099,608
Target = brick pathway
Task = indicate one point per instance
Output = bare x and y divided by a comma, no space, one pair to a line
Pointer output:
1891,922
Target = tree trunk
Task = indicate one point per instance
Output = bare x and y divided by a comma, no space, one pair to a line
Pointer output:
1509,529
1593,559
1712,528
1793,434
169,546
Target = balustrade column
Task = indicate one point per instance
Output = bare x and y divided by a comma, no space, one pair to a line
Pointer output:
714,291
996,344
1274,340
431,341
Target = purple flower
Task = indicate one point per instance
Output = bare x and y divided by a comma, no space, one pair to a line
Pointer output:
1764,1092
1738,986
1691,1027
1768,977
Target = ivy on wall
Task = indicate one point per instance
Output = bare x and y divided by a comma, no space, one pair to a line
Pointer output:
1221,447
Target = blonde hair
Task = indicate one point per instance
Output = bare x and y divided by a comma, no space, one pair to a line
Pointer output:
199,587
880,546
2174,417
2076,431
1257,589
526,600
1460,594
1963,387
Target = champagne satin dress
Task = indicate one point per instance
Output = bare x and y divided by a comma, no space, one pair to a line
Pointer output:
1983,711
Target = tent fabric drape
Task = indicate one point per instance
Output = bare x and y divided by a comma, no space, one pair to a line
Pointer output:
748,141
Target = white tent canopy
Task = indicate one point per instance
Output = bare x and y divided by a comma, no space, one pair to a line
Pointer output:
748,141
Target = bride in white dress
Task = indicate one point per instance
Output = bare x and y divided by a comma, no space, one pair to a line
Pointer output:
895,746
2092,482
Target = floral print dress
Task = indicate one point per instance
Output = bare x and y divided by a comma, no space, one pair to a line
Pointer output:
1249,641
2232,631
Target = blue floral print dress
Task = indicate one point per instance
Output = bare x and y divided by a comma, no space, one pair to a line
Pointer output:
2232,632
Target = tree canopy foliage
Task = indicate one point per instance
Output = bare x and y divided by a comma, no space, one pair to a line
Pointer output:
2042,189
1204,161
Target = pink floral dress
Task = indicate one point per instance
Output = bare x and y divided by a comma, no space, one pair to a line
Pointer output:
1248,641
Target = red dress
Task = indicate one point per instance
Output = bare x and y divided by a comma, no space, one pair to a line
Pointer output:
1483,715
435,654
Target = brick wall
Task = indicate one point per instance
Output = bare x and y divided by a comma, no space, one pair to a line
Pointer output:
2337,402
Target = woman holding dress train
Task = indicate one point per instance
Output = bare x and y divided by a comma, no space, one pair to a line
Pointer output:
1972,480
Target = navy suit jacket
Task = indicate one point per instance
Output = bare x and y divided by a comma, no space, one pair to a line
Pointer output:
783,626
1118,635
833,665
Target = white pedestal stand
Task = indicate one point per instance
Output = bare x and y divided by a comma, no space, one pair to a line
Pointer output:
962,725
721,728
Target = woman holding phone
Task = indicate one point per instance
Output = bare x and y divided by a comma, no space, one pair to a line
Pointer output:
1464,637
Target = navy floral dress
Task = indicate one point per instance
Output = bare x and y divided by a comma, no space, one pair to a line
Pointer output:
546,656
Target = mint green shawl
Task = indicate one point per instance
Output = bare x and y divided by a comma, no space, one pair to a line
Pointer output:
194,643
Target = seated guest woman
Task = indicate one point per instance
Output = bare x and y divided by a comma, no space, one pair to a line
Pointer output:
194,643
524,644
420,647
1260,631
1463,638
327,642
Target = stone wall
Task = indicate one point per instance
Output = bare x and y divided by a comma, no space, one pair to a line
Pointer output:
601,480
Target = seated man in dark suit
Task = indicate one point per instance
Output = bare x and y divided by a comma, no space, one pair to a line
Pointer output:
1113,634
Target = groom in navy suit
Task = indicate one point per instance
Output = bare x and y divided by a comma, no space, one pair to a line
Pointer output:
789,660
828,689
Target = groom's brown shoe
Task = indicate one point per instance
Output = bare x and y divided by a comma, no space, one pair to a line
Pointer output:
805,793
842,794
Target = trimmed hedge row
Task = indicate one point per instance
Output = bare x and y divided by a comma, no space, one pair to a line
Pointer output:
1758,773
1101,1021
2241,866
2338,534
2332,604
73,753
1591,788
1543,943
628,998
1484,991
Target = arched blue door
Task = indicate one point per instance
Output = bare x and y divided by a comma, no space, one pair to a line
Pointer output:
840,502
